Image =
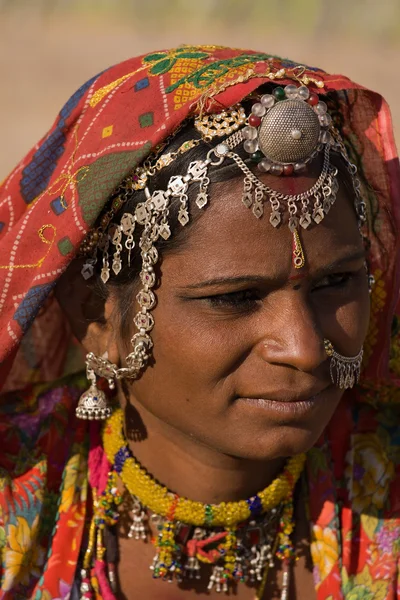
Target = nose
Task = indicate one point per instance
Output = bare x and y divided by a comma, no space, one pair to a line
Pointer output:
292,337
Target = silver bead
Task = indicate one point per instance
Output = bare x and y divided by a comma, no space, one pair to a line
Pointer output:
251,146
321,108
258,109
325,120
296,134
264,165
303,92
299,167
267,100
276,169
250,133
291,91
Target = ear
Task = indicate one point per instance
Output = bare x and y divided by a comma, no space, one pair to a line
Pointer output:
90,314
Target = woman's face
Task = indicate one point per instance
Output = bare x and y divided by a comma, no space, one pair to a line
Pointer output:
239,362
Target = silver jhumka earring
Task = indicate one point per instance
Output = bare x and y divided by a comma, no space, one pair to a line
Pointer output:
93,405
345,371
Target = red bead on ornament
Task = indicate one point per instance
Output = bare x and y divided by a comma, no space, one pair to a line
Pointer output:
254,121
288,169
313,99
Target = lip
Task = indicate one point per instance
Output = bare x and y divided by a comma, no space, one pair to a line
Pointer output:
285,395
286,404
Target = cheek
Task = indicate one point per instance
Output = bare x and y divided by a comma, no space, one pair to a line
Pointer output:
347,324
203,347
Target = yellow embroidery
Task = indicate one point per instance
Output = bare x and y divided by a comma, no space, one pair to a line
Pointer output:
106,89
107,131
187,91
41,260
65,180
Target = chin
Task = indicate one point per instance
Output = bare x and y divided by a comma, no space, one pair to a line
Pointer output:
270,430
277,443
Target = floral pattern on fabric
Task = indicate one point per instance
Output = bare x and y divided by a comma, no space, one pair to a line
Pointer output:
369,472
354,483
325,552
363,587
24,556
43,487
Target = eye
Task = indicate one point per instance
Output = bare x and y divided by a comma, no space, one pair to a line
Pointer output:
241,300
336,280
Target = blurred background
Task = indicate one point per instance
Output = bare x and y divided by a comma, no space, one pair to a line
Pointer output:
48,48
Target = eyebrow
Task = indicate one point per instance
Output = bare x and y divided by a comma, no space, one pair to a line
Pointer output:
237,280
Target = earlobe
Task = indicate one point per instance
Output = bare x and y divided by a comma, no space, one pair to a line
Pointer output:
100,339
102,334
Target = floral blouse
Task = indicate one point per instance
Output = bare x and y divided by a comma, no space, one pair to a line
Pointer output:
353,478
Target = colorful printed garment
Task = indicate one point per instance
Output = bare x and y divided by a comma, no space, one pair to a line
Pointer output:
47,205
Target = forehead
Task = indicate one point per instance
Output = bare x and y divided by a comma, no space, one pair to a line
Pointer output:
227,239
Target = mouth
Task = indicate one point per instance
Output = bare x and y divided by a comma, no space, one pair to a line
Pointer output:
286,401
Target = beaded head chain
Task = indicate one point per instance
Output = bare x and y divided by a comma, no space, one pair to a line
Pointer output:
285,131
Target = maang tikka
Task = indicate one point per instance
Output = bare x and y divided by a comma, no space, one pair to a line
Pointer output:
285,131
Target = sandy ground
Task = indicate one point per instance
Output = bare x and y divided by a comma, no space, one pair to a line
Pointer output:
42,62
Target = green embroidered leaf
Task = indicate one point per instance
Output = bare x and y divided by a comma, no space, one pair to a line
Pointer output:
154,57
162,66
193,55
209,73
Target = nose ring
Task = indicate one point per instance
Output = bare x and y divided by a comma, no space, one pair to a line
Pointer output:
345,370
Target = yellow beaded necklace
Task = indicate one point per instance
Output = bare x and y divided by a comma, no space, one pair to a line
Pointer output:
161,501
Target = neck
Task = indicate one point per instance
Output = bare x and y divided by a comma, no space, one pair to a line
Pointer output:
190,468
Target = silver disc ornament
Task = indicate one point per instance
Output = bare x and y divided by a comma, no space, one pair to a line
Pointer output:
289,132
286,129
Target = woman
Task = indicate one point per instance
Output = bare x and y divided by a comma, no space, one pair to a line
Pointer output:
209,226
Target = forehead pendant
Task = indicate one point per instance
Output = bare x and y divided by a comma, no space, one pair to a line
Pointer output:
286,130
